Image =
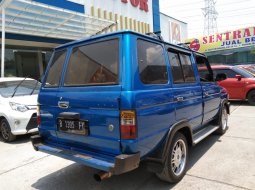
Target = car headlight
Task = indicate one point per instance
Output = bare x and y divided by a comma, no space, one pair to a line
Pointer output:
18,107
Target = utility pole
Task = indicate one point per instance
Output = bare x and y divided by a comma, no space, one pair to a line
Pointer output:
210,17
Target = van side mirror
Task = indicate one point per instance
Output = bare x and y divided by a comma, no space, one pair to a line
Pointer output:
238,77
220,77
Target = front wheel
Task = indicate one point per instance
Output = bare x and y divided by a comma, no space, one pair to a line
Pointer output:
6,131
251,97
175,165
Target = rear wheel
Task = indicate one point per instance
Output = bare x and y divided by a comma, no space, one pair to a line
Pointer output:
223,121
175,165
251,97
6,131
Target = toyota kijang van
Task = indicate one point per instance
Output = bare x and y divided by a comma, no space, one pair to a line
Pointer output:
112,101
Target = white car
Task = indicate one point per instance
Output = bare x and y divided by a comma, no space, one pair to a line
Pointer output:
18,102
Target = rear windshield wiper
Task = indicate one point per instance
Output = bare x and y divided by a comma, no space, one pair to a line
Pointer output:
16,88
34,87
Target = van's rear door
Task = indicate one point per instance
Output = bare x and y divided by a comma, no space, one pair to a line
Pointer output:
88,99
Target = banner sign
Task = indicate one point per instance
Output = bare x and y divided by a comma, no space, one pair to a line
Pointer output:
175,31
222,41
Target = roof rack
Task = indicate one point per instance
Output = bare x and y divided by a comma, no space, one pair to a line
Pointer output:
185,45
156,35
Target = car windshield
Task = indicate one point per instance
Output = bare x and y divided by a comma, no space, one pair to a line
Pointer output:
25,88
250,70
243,72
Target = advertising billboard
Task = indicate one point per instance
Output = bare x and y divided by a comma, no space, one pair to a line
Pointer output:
227,40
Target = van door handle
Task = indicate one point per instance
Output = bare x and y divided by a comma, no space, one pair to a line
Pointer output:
62,104
179,99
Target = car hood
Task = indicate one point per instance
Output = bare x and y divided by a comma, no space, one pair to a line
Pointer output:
25,100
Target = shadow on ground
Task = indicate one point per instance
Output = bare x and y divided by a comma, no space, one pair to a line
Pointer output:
20,139
77,176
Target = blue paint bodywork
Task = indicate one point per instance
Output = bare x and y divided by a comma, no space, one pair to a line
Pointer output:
156,106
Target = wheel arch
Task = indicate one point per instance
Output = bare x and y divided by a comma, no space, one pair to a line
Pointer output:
183,127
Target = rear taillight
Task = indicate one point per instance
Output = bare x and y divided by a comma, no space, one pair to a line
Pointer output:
128,128
38,115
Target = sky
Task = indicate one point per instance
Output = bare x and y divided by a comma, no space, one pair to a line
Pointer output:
232,14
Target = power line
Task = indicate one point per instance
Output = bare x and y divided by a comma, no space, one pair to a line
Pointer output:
233,10
210,17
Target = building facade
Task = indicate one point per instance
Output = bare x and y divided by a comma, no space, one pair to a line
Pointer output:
31,29
231,47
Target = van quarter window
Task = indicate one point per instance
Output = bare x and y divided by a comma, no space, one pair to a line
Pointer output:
152,66
182,70
94,64
56,67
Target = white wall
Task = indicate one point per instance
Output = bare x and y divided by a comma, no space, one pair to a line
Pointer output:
166,29
122,9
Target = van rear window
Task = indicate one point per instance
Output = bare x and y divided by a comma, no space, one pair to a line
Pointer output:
94,64
53,77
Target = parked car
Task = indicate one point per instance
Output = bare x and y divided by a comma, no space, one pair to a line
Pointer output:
113,100
239,84
18,100
248,68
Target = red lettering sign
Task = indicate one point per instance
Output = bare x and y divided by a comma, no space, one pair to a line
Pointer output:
135,3
236,34
143,4
205,40
246,32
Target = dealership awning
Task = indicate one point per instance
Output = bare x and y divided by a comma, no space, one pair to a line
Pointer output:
37,19
33,18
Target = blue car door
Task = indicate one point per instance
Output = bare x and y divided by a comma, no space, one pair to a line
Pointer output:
186,89
211,91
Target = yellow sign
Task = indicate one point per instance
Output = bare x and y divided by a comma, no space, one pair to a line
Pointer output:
222,41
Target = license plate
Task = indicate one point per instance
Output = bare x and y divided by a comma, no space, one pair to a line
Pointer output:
73,126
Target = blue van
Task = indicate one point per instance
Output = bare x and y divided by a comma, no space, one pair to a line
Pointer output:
114,100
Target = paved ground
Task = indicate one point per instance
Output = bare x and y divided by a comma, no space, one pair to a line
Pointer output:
226,162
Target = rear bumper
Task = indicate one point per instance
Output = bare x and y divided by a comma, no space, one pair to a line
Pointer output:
122,163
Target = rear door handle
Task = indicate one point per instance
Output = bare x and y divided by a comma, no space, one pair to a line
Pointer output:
179,99
62,104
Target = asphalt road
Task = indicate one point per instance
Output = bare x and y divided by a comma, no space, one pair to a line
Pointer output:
226,162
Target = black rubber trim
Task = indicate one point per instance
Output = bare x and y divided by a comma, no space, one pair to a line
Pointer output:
125,163
32,122
69,115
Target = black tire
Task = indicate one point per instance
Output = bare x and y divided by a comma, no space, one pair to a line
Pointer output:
178,157
222,121
251,97
6,131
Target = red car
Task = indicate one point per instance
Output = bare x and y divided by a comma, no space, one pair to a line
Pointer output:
239,84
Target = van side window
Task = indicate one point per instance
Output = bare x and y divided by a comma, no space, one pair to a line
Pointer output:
187,68
176,67
94,64
182,70
151,61
205,72
56,67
